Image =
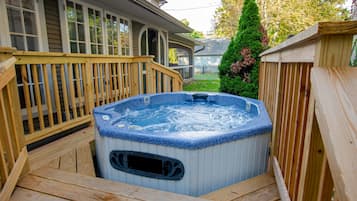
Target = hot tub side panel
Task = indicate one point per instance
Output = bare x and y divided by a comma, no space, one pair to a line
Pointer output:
206,169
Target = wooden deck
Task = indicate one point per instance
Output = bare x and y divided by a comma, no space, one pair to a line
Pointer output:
64,170
260,188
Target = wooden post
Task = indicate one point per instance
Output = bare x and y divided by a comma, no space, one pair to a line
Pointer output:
134,71
149,78
88,88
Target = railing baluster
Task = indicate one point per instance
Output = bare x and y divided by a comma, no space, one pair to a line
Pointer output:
111,77
64,91
126,80
115,82
107,84
48,95
128,72
71,90
85,100
56,93
38,95
101,84
79,89
25,82
121,81
96,85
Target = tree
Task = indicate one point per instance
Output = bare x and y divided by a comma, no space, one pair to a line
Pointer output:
240,63
226,18
281,18
194,33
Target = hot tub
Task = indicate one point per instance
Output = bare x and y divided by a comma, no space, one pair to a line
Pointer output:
159,141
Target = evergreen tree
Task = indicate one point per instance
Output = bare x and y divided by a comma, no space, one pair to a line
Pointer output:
239,66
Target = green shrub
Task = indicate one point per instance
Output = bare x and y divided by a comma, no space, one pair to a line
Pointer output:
239,66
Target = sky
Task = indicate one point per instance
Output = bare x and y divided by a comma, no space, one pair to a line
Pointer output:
200,13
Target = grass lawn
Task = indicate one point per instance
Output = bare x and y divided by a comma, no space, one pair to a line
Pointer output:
203,82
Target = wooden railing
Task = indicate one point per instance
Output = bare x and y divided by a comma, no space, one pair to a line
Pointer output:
304,168
13,152
58,91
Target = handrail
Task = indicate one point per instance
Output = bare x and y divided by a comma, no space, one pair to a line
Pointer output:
13,152
285,87
336,99
60,90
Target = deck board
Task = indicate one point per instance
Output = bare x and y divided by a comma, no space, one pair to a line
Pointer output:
247,190
22,194
71,153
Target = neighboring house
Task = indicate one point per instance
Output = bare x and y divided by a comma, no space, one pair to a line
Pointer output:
208,56
113,27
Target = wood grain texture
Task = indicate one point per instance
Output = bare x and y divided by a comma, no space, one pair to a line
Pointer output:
336,112
310,34
241,189
96,185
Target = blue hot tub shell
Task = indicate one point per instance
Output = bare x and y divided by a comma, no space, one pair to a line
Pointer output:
209,160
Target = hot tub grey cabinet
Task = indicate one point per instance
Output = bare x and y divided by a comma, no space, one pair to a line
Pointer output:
182,163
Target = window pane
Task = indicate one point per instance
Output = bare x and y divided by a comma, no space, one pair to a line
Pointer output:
14,17
29,4
13,2
79,13
100,49
18,42
92,34
82,48
99,35
80,32
116,51
30,22
93,49
32,43
71,14
74,47
72,31
110,50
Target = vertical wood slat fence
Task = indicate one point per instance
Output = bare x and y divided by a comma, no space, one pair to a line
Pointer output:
298,146
13,152
59,91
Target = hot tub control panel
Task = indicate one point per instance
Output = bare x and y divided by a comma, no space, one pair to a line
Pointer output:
147,164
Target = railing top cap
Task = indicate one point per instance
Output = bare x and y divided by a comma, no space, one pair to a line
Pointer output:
319,29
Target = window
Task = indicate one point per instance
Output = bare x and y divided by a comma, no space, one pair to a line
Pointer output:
112,34
152,42
75,20
22,24
95,31
124,37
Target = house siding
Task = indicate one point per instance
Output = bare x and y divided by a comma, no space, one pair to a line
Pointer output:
53,26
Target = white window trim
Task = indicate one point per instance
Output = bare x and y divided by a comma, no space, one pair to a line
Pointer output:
5,39
85,5
160,33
